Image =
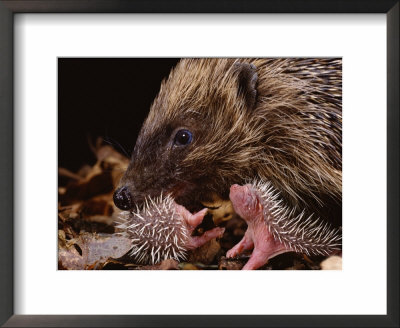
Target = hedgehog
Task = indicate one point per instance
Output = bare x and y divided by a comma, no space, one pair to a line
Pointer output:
273,228
162,230
217,122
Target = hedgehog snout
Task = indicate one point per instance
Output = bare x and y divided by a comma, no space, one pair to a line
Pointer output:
123,198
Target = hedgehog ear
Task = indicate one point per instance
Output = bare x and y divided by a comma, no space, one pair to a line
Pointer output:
247,80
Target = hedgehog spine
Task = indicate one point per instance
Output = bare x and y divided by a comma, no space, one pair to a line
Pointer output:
308,235
156,231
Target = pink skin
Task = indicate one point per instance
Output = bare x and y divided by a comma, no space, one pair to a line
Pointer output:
247,205
192,221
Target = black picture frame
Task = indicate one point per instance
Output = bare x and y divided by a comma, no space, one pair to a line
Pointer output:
8,200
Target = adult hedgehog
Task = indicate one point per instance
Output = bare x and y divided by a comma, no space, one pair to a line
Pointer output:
220,122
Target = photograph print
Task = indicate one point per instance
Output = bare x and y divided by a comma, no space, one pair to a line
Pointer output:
200,163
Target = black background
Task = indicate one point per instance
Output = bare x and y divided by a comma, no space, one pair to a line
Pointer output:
104,97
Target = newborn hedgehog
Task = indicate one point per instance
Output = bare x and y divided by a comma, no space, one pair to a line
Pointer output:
162,230
217,122
273,228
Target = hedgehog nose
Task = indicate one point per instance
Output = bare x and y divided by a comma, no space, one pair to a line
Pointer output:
122,198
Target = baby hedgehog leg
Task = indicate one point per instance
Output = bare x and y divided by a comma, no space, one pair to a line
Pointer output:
162,230
274,229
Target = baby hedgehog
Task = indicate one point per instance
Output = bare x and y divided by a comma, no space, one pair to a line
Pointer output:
162,230
274,228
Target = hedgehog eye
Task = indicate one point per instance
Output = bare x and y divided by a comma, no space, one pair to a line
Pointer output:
183,138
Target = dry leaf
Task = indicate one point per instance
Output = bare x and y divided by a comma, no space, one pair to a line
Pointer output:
91,250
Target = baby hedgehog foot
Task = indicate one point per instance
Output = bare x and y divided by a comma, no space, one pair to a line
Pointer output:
273,229
162,230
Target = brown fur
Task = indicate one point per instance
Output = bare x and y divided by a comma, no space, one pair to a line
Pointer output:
292,136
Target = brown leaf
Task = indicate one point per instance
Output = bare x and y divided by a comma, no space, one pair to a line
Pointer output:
169,264
221,210
206,253
98,184
67,173
91,250
231,264
188,266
